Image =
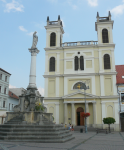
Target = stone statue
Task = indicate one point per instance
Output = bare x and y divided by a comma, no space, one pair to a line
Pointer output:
35,40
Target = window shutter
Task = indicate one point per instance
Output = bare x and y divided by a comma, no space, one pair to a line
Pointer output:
76,63
82,63
53,39
105,36
107,61
52,64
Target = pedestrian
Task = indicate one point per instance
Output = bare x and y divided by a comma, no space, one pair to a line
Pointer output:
72,129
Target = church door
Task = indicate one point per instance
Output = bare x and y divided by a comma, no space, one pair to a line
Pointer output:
80,119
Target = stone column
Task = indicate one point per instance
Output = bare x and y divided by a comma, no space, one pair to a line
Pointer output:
32,77
87,108
57,113
73,114
65,114
103,111
94,114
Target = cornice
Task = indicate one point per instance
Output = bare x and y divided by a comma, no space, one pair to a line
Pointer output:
53,48
84,74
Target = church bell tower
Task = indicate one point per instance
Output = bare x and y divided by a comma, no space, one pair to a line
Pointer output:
54,33
104,26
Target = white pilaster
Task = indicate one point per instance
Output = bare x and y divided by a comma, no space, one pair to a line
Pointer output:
87,108
46,87
114,85
73,114
103,111
57,86
113,61
46,64
57,113
94,114
116,112
102,85
65,86
65,113
93,85
58,63
100,61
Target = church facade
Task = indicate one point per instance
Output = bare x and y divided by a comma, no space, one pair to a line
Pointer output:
71,65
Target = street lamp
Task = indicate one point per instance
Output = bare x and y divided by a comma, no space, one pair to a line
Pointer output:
83,86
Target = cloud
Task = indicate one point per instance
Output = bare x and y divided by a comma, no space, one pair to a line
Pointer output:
93,3
30,33
118,10
40,25
22,29
41,91
14,5
11,86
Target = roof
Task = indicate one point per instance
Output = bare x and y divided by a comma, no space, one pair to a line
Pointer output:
5,71
120,73
12,95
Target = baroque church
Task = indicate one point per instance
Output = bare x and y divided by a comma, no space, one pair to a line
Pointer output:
71,65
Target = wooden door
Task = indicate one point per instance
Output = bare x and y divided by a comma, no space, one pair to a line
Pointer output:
80,119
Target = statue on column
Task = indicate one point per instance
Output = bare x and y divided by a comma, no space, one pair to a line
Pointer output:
35,40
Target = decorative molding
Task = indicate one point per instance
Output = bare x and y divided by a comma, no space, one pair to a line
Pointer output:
84,74
73,102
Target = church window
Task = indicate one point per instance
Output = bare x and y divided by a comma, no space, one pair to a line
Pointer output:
107,61
79,85
53,39
52,64
76,63
105,36
81,62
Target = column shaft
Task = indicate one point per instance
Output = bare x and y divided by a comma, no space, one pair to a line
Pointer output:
57,113
65,114
94,113
87,108
73,114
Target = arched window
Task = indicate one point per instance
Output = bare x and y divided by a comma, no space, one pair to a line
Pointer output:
79,85
4,90
76,63
82,63
105,36
52,64
53,39
107,62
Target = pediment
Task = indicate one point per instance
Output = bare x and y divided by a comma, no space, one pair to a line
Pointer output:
79,94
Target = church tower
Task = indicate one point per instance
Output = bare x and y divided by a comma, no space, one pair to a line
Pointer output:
54,33
104,26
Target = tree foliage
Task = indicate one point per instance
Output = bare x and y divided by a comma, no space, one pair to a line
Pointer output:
109,120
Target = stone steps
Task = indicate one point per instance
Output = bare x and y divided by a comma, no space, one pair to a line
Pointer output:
42,140
15,131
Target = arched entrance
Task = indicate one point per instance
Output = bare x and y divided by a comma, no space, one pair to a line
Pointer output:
80,119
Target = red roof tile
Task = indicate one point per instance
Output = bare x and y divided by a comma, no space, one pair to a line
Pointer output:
120,73
13,95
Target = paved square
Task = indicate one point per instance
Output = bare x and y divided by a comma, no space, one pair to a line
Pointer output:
82,141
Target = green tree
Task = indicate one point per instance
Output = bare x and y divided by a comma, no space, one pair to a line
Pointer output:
109,121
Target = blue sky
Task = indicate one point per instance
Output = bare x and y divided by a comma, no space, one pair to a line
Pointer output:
20,18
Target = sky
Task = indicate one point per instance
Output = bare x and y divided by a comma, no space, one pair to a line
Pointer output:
20,18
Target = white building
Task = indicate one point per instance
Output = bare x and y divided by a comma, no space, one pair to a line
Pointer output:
4,87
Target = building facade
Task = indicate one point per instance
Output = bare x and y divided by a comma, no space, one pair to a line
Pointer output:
4,88
71,65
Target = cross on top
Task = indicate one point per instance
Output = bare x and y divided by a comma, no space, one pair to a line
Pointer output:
78,86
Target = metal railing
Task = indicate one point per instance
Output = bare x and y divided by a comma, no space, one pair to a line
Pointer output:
53,22
79,43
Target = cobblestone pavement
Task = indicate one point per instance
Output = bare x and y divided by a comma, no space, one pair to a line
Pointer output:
82,141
